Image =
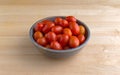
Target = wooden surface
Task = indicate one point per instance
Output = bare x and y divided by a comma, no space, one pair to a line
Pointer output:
101,56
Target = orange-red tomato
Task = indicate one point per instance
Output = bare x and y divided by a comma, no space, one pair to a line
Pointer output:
57,29
71,19
42,41
82,29
48,27
39,27
50,36
37,35
64,23
58,20
73,42
81,38
64,39
56,45
67,31
45,22
74,28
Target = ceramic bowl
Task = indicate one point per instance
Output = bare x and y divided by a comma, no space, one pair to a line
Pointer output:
59,53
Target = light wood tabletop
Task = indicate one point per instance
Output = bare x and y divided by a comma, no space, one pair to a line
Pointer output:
101,56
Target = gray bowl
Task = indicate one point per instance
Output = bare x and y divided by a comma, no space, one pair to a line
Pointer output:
59,53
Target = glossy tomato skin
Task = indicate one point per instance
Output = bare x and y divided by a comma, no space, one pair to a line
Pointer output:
42,41
56,45
64,39
57,29
50,36
67,31
71,19
73,42
81,38
37,35
39,27
74,28
82,29
47,27
64,23
58,20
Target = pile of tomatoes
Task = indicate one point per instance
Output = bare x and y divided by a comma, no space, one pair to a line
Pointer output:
60,34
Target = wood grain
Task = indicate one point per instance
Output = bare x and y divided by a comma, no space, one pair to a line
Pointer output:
101,56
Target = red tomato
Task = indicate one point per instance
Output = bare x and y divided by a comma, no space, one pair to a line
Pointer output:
57,29
73,42
50,36
48,27
42,41
58,37
64,23
71,19
55,45
39,27
67,31
58,20
45,22
82,29
74,28
81,38
64,40
37,35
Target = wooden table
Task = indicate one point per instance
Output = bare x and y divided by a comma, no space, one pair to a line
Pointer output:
101,56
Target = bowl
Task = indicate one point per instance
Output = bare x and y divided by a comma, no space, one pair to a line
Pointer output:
59,53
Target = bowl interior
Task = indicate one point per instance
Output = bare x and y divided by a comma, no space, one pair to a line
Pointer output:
87,35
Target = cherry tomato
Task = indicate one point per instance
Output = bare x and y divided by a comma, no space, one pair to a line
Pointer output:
58,37
37,35
50,36
74,28
58,20
56,45
39,27
82,29
42,41
64,40
45,22
67,31
81,38
73,42
64,23
48,27
71,19
57,29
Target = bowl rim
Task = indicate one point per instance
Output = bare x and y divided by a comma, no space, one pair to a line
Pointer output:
60,51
